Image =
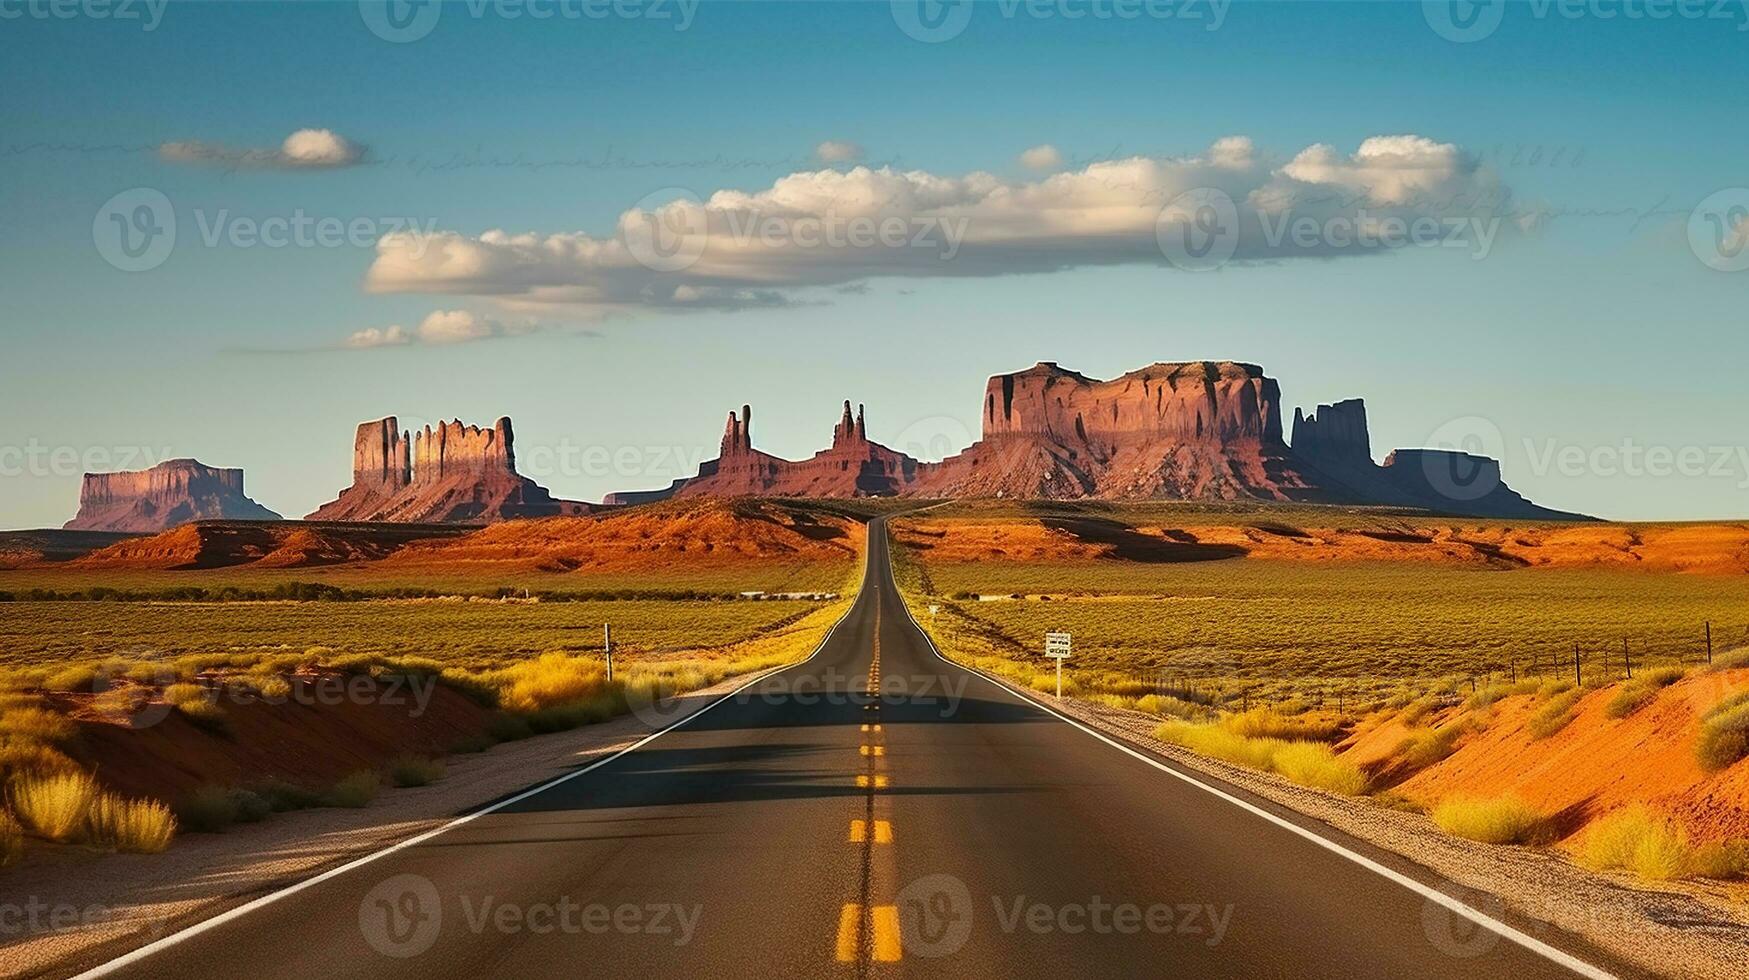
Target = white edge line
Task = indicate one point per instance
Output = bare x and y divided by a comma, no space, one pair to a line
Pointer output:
1434,895
175,938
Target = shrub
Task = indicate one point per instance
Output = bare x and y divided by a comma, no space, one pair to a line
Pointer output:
1507,820
55,806
132,826
71,680
1307,763
20,757
1315,764
415,770
1637,840
1267,723
1429,745
282,797
1725,860
1641,691
207,810
38,724
1555,715
1735,660
355,791
1393,800
1724,734
11,840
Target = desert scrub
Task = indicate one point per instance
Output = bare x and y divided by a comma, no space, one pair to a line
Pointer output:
131,826
415,770
1724,734
1555,714
355,791
1641,691
55,807
198,704
37,724
1427,746
213,809
11,840
1636,840
1306,763
1506,820
1268,723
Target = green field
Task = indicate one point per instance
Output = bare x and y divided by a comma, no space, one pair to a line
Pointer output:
478,633
1277,628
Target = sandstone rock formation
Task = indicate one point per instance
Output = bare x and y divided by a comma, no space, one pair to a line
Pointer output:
453,474
1199,430
174,492
1333,448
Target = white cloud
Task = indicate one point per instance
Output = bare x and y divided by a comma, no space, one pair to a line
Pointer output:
306,149
369,337
828,228
438,329
838,151
1041,157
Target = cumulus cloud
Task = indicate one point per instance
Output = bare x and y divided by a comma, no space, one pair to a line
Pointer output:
1041,157
828,228
306,149
440,328
839,151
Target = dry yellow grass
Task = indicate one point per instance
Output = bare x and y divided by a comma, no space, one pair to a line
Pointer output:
133,826
55,807
1306,763
1636,840
1506,820
37,724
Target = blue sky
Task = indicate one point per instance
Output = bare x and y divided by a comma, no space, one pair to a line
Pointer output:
1596,332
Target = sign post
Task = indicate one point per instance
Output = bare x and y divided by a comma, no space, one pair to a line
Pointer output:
1057,648
607,648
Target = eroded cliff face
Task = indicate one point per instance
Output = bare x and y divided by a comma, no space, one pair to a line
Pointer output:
1196,430
173,493
852,467
1188,430
1333,448
450,474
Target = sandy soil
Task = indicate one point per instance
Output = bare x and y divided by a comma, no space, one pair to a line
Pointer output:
96,906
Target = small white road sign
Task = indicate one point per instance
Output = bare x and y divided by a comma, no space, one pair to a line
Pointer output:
1057,645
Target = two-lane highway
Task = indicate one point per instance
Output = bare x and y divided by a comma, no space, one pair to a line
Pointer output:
940,825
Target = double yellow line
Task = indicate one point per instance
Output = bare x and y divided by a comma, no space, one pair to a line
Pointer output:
865,929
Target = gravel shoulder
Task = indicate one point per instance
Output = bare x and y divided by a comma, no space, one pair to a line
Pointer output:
1681,929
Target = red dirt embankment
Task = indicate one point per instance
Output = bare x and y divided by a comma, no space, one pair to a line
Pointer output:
329,726
1593,765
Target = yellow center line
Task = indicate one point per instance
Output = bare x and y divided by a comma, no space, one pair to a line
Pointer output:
849,933
886,933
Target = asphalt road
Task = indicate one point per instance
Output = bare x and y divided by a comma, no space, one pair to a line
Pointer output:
944,827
